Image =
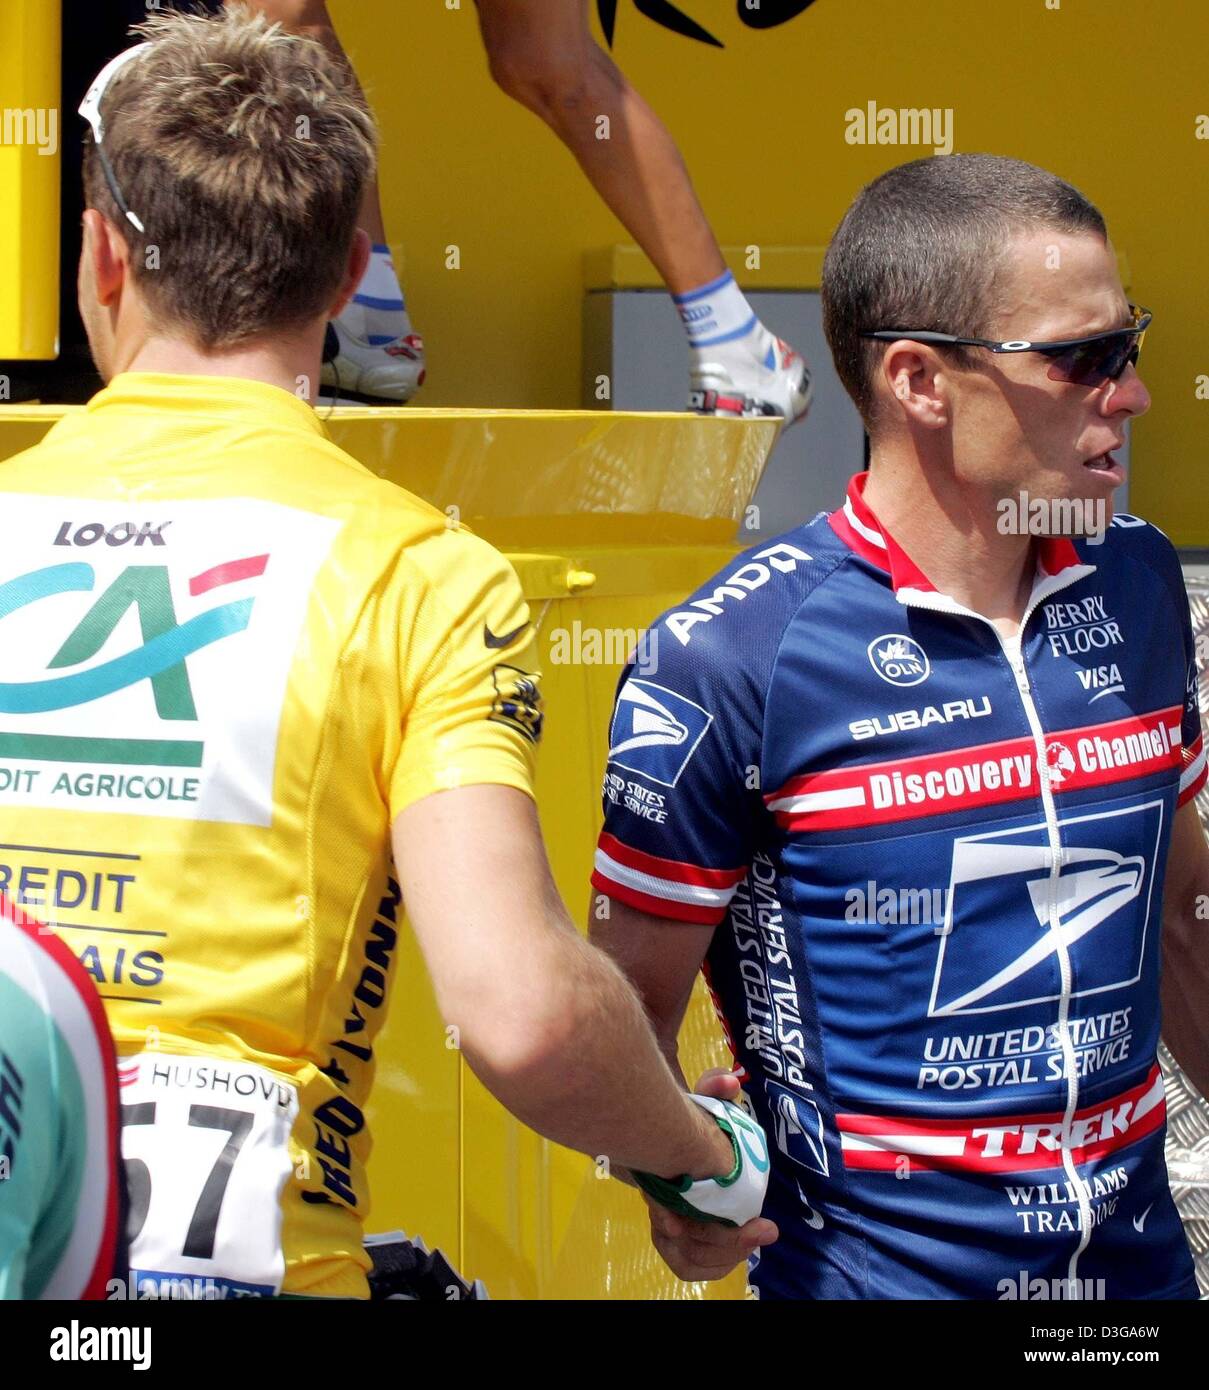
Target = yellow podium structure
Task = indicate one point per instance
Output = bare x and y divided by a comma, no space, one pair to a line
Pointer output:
30,142
607,518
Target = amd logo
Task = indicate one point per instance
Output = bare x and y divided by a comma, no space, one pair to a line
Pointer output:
748,577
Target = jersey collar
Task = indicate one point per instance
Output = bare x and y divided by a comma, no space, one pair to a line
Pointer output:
220,397
1058,562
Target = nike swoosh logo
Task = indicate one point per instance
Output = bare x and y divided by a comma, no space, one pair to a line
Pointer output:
495,643
813,1219
1140,1221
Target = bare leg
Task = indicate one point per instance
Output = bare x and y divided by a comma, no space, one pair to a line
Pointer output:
542,53
311,17
373,353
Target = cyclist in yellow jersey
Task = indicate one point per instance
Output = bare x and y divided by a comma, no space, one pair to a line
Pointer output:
237,669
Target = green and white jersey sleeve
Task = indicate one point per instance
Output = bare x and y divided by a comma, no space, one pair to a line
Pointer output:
59,1187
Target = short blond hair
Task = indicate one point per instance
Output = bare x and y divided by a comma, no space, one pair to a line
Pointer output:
245,152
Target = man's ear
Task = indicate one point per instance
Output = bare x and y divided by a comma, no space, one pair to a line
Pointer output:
108,257
354,273
913,373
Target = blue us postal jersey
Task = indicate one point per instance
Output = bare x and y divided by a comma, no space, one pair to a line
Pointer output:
935,859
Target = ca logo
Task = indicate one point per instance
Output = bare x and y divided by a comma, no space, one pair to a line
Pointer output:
161,659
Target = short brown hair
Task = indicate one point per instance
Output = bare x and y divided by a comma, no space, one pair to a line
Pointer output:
244,151
922,247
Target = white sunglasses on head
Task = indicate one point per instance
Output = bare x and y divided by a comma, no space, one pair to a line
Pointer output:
90,109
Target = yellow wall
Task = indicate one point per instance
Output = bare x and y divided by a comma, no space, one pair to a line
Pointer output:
29,179
1104,92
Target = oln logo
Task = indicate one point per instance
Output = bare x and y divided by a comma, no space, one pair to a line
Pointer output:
162,659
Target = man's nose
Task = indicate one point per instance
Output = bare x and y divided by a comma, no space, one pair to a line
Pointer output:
1127,393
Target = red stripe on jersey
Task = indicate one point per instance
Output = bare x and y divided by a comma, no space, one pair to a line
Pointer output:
1055,553
981,774
674,870
229,572
1195,787
658,907
904,572
739,1069
1190,755
1005,1143
853,539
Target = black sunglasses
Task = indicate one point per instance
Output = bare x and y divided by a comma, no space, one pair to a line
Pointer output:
1089,361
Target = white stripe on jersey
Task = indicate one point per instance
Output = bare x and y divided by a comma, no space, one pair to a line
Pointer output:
873,537
820,801
692,893
1193,770
922,1144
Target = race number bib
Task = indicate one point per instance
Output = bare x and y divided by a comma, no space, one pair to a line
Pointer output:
206,1148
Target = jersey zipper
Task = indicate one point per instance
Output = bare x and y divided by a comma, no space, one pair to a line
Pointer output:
1011,648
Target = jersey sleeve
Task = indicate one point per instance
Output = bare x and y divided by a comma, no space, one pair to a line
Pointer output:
1192,769
682,783
471,704
22,1184
1154,549
61,1195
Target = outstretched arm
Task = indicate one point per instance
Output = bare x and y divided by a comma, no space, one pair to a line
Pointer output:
661,958
548,1024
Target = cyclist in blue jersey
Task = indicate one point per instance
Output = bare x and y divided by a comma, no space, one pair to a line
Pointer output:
60,1185
915,782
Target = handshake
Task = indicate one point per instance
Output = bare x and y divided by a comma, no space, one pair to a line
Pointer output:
703,1229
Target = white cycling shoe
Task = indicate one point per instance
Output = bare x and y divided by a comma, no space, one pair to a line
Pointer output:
784,388
368,373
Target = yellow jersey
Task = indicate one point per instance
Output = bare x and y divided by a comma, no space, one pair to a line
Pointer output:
230,656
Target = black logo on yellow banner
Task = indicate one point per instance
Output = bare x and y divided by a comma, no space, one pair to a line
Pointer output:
767,14
518,701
